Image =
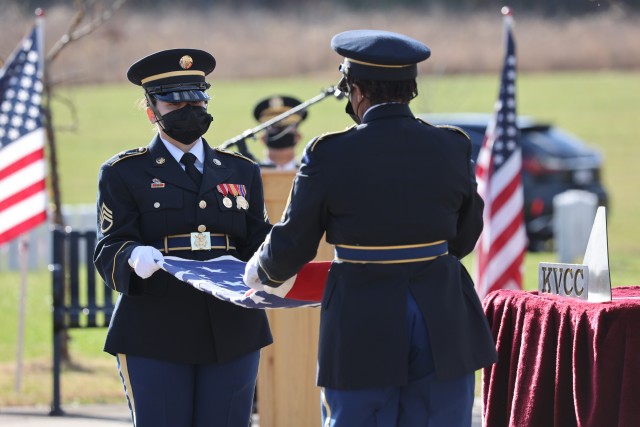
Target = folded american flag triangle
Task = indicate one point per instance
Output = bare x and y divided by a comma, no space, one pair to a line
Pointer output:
222,278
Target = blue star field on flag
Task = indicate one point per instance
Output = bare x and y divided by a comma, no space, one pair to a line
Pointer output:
20,92
506,131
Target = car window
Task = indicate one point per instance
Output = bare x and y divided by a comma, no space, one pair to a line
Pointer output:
553,142
536,139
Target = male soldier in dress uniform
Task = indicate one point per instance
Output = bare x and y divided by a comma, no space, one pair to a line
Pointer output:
281,138
402,330
185,357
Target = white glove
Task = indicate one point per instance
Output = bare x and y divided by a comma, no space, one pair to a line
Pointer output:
252,280
250,276
143,260
282,290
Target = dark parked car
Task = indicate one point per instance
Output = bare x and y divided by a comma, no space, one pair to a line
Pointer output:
553,161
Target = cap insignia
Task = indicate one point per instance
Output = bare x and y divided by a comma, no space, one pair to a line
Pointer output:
276,102
186,62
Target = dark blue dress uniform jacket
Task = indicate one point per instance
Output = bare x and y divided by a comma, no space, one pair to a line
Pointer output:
393,180
162,317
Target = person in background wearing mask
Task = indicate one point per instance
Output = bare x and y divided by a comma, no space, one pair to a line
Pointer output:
281,138
402,330
185,358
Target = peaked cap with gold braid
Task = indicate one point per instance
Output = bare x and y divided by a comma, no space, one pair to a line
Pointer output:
379,55
174,75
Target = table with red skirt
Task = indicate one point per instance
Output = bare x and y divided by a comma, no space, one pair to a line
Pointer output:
563,361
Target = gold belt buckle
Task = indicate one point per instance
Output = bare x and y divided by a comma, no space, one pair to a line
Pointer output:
201,241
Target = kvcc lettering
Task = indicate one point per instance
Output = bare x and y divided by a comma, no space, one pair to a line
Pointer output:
565,280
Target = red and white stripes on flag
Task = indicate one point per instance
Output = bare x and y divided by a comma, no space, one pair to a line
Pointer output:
502,246
23,200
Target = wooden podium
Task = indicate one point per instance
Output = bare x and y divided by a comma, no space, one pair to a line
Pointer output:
287,391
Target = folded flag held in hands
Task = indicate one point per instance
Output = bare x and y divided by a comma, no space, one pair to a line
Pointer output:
222,278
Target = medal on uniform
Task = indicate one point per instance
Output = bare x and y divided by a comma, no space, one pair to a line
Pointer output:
242,201
234,190
226,201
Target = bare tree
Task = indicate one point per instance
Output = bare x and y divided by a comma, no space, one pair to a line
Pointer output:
89,15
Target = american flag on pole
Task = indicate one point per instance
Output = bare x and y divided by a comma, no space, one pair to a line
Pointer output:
502,246
23,202
223,278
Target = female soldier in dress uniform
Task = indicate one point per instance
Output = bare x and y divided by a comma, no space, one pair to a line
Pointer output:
402,329
186,358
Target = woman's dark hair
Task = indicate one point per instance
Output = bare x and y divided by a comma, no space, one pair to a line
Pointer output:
379,91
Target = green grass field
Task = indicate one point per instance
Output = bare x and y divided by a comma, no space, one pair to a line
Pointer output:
602,108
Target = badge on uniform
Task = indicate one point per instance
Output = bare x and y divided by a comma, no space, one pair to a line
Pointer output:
239,191
106,218
156,183
201,241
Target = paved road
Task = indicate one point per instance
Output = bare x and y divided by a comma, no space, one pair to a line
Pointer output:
76,416
99,416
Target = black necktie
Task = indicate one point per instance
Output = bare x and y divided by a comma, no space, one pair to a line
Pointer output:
188,160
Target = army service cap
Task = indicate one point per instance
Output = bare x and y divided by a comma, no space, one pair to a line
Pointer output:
273,106
379,55
174,75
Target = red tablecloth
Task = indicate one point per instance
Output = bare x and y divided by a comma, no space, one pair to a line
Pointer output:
563,362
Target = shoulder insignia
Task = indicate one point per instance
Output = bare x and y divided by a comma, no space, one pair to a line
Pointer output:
233,153
448,127
126,154
454,129
106,218
328,135
424,122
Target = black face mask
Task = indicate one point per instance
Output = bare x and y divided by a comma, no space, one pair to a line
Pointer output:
187,124
281,138
345,88
349,110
